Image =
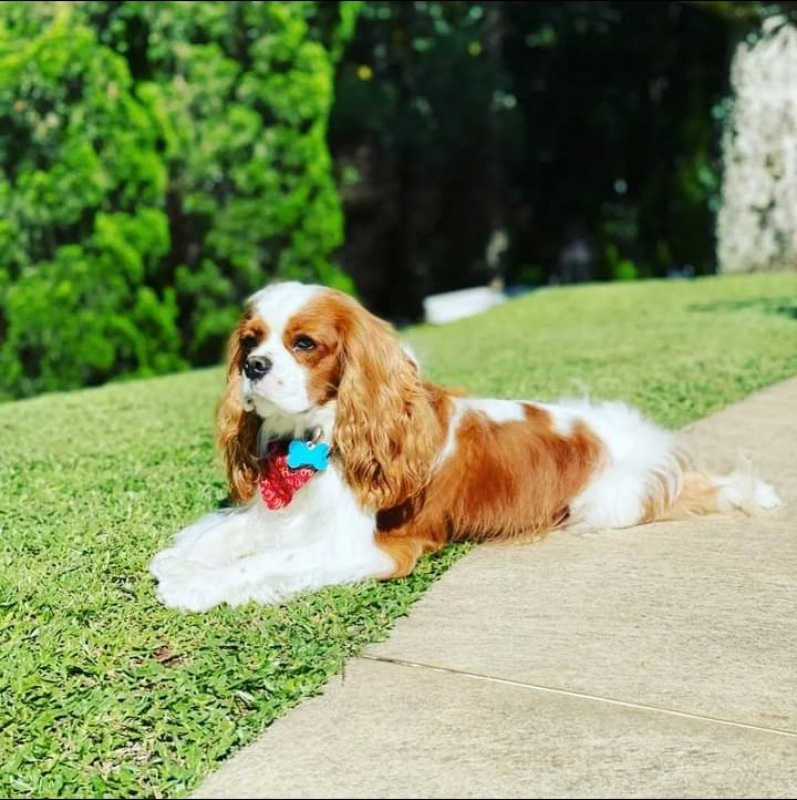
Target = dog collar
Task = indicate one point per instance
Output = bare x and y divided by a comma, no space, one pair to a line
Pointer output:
287,466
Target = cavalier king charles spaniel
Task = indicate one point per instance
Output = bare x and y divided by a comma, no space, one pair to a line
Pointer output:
344,463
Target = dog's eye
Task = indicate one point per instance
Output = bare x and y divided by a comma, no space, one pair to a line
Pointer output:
248,343
303,343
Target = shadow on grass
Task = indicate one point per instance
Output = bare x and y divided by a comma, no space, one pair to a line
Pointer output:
785,306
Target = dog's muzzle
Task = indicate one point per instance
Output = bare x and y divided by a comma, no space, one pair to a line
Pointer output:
256,367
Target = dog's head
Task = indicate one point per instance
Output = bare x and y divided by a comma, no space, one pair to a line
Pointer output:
306,358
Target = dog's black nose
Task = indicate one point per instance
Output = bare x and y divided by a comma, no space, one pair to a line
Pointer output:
256,367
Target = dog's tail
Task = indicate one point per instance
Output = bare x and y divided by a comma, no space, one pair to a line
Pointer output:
700,492
649,473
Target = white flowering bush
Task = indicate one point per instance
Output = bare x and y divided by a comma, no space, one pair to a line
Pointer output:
757,219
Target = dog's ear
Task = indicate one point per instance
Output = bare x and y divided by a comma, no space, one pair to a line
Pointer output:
387,431
237,429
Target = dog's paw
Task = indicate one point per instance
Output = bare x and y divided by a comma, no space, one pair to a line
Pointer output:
172,563
189,595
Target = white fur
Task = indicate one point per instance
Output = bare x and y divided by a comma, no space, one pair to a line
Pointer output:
278,425
741,489
496,410
637,451
251,553
563,418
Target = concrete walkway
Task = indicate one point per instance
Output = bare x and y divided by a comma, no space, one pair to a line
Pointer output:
654,662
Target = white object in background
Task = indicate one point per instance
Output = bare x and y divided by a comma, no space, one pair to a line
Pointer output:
441,308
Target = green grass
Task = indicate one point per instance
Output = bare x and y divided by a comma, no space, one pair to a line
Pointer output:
105,693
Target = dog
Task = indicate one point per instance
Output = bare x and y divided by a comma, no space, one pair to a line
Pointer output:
344,463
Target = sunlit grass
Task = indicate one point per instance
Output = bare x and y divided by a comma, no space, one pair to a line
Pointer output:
105,693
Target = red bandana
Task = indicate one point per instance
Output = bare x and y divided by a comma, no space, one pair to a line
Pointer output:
278,482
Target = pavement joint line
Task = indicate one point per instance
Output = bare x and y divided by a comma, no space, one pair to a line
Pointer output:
582,696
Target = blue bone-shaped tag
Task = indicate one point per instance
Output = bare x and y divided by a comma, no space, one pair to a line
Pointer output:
308,454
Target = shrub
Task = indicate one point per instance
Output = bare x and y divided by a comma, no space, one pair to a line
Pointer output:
161,161
82,229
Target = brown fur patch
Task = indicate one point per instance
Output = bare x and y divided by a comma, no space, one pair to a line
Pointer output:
693,495
324,320
504,481
387,429
251,331
236,428
697,496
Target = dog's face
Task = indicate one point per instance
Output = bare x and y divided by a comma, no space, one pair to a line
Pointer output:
288,349
306,356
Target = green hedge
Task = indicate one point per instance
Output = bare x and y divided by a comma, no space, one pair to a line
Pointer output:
160,161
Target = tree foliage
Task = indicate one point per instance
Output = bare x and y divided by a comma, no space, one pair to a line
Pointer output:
502,138
423,171
160,161
80,202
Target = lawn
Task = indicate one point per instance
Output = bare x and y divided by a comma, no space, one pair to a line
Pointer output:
103,693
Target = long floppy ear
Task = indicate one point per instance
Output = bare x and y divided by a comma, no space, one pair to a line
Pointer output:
387,431
237,430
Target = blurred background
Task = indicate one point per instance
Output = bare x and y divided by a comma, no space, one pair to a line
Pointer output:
162,160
